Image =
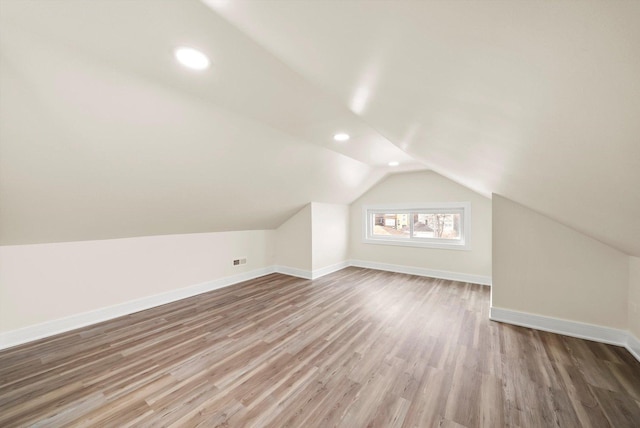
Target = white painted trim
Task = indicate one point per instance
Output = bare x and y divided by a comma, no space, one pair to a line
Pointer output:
577,329
411,270
61,325
597,333
317,273
441,244
300,273
633,345
314,274
538,322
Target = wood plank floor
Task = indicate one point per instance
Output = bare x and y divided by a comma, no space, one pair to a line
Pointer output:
356,348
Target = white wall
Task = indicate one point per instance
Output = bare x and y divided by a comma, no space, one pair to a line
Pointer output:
293,241
423,187
91,152
634,296
330,234
545,268
45,282
314,238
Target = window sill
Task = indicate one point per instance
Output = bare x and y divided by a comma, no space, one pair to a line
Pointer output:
432,245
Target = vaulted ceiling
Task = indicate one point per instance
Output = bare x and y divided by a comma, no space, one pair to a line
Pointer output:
103,135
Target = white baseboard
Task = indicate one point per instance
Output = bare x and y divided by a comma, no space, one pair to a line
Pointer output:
61,325
411,270
538,322
317,273
580,330
300,273
633,345
314,274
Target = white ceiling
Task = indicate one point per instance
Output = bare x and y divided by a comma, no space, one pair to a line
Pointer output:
103,135
537,101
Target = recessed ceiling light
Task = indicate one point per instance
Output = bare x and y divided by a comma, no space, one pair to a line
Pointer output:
192,58
394,163
341,137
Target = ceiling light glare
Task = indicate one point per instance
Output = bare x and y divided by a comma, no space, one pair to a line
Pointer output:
341,137
394,163
192,58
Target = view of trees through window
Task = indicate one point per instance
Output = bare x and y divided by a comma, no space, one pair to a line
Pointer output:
417,225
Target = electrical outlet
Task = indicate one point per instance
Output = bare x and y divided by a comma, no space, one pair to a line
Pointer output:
236,262
243,261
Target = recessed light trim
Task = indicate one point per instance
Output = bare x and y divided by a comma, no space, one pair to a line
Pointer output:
394,163
341,136
192,58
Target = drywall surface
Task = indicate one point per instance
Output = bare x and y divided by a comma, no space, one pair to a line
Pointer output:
543,267
330,234
425,187
634,296
293,241
94,147
45,282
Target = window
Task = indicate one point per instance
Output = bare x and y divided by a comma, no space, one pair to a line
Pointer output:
436,225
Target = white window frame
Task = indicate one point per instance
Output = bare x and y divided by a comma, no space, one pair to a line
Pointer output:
464,208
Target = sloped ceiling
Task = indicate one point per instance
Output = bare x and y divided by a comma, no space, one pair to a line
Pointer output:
536,101
103,135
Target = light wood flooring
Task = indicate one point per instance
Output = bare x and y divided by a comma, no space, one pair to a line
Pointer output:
357,348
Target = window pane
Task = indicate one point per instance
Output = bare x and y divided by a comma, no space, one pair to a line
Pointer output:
391,225
436,225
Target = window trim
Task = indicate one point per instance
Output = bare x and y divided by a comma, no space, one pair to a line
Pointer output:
463,244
